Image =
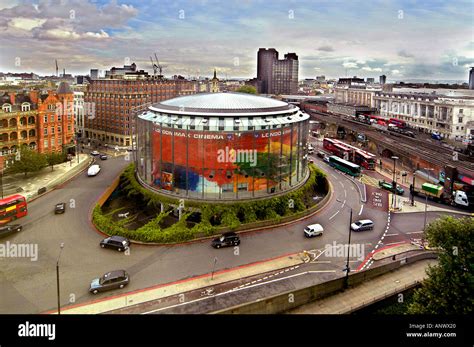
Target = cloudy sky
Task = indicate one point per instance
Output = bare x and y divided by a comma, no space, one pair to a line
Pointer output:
404,39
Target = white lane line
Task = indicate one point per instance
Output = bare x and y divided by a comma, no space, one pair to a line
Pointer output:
342,184
333,175
394,234
334,215
415,232
361,209
321,262
345,193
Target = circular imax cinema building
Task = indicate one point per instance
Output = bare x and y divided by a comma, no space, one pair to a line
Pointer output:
222,146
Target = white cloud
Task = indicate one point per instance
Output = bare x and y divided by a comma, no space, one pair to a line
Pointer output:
368,68
350,65
26,23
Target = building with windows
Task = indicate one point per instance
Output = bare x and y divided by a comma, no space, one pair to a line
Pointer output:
112,102
471,78
222,146
452,116
277,76
79,110
42,121
358,94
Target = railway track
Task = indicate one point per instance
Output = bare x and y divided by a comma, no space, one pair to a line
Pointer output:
437,155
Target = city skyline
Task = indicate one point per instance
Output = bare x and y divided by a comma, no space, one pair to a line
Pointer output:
193,38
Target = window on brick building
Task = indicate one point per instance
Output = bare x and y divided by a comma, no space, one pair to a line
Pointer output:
59,129
52,118
52,142
45,131
52,130
45,119
45,143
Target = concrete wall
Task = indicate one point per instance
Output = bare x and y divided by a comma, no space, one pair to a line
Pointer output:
292,299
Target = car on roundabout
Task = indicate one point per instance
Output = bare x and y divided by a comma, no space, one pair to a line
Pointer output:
313,230
226,240
109,281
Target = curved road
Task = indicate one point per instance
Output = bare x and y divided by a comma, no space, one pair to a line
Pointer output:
30,286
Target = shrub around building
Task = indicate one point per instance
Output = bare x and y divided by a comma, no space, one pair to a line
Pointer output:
215,217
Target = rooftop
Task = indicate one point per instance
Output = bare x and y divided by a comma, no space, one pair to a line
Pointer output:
223,103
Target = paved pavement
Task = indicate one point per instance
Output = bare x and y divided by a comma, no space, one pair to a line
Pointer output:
369,292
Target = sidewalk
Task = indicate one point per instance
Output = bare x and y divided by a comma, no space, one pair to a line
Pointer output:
160,291
369,292
403,205
28,186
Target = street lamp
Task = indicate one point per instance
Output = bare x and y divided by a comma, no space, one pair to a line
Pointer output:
426,199
394,182
57,276
347,269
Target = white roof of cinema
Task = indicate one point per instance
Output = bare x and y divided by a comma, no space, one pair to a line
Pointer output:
233,101
223,104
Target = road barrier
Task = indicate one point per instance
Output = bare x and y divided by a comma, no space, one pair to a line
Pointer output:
280,303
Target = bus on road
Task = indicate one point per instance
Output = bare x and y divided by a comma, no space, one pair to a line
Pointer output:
12,207
344,166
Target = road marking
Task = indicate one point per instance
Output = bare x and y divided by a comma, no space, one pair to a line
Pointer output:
320,261
334,215
345,193
333,176
342,184
415,232
392,234
392,243
361,208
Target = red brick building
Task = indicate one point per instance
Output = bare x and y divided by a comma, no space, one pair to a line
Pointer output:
110,103
42,121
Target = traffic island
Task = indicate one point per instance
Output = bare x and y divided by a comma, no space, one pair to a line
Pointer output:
143,216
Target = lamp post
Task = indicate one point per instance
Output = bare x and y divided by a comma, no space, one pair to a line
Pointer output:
347,269
426,199
57,276
394,182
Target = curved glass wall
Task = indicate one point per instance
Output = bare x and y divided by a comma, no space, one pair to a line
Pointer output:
252,160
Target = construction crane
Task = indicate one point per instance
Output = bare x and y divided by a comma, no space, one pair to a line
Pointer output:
160,76
155,67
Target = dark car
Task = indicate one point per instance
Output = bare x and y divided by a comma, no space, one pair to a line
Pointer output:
103,157
60,208
226,240
321,154
110,280
116,242
9,229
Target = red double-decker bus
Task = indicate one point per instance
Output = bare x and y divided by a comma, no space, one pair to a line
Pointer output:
337,148
351,153
365,159
12,207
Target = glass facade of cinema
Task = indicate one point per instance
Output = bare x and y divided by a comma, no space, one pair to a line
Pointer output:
218,159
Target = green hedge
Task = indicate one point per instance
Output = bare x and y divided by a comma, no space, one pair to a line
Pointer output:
214,217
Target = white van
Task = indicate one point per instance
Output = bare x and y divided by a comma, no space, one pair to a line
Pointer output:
93,170
313,230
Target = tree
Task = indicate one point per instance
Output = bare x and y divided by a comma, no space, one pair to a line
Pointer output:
247,89
55,158
27,160
449,287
